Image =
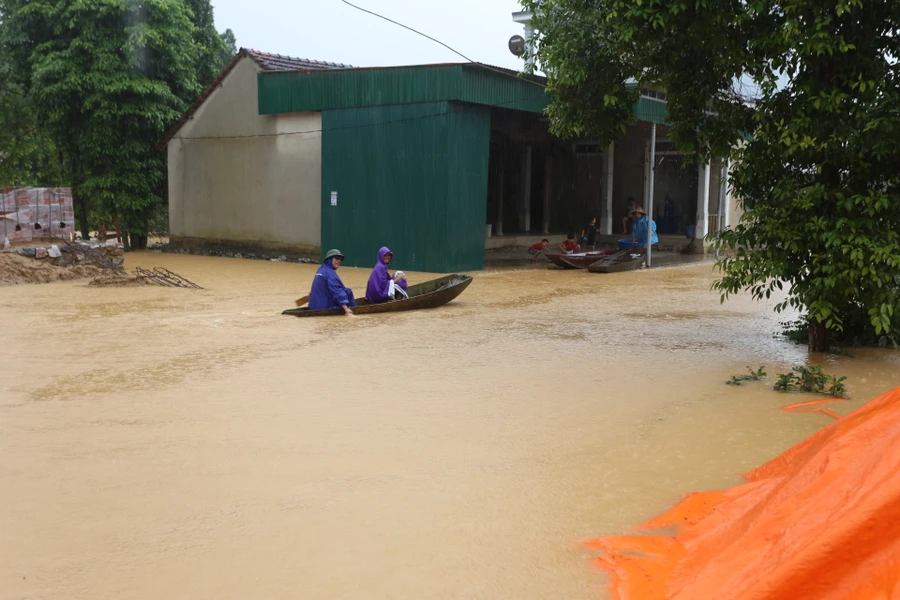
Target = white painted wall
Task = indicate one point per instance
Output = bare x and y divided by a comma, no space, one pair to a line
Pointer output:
246,189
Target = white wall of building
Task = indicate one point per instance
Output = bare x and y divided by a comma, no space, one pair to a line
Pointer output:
246,189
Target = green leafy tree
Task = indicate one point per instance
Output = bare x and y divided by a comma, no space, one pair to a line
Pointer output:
815,85
27,154
210,45
229,44
106,78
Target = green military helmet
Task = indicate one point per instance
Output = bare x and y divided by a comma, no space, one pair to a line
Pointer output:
332,253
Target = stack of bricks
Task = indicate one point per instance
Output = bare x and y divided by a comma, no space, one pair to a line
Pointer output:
36,214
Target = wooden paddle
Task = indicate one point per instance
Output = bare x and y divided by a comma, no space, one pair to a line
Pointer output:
301,301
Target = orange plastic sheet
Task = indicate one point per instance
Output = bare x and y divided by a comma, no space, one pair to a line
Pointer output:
803,407
820,522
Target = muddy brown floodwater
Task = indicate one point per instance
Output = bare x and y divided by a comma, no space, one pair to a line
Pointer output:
169,443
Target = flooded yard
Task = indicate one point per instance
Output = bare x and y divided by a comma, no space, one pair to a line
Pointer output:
173,443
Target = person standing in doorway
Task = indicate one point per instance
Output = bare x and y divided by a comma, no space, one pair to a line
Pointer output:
628,219
589,234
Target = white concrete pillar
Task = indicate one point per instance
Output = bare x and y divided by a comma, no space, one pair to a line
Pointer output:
500,189
607,223
548,190
649,206
703,203
644,198
529,44
725,195
525,209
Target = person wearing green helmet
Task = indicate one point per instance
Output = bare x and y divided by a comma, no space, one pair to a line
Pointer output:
328,291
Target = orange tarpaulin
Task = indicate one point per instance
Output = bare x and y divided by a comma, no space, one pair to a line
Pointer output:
821,521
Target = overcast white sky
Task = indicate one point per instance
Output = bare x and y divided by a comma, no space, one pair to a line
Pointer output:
330,30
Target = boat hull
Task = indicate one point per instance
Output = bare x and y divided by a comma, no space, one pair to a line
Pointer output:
429,294
624,260
578,261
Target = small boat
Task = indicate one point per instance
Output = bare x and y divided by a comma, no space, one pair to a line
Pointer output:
578,261
429,294
629,259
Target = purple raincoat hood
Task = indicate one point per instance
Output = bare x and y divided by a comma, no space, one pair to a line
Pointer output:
380,279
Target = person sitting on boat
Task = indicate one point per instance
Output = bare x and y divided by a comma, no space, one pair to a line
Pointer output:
535,250
382,285
328,291
641,224
569,245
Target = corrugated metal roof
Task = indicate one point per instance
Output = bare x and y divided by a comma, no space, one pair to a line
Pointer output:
278,62
298,91
267,62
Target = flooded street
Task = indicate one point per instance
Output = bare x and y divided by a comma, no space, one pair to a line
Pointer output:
172,443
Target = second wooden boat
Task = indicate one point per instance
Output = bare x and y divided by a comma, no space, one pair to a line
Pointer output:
623,260
578,261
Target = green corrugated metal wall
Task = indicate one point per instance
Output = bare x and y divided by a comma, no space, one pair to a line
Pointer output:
412,177
300,91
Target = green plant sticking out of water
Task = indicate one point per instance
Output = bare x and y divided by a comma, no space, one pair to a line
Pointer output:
756,375
812,380
801,379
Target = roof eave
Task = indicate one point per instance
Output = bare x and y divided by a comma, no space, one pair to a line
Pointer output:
242,53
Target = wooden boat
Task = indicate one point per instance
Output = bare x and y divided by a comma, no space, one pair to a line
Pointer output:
630,259
429,294
578,261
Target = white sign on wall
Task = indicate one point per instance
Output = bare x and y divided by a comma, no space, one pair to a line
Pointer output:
334,198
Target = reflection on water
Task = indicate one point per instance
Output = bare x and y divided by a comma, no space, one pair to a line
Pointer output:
161,443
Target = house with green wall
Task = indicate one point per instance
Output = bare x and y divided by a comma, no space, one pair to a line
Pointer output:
439,162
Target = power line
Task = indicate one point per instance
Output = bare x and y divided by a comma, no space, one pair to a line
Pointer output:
437,41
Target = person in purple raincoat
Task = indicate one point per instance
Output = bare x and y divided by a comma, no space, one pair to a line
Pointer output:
382,285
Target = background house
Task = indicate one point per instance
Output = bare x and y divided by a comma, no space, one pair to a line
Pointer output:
436,161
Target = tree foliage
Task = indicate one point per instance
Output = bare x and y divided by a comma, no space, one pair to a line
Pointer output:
802,95
229,48
28,156
105,79
211,46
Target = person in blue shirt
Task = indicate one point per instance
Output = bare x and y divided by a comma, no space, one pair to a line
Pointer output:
641,224
328,291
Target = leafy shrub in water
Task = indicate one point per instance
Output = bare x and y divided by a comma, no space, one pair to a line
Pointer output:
801,379
753,376
857,330
812,380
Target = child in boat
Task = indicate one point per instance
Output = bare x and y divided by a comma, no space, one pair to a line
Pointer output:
569,245
536,250
382,285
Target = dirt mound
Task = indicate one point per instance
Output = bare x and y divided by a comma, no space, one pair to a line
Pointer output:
113,280
16,270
